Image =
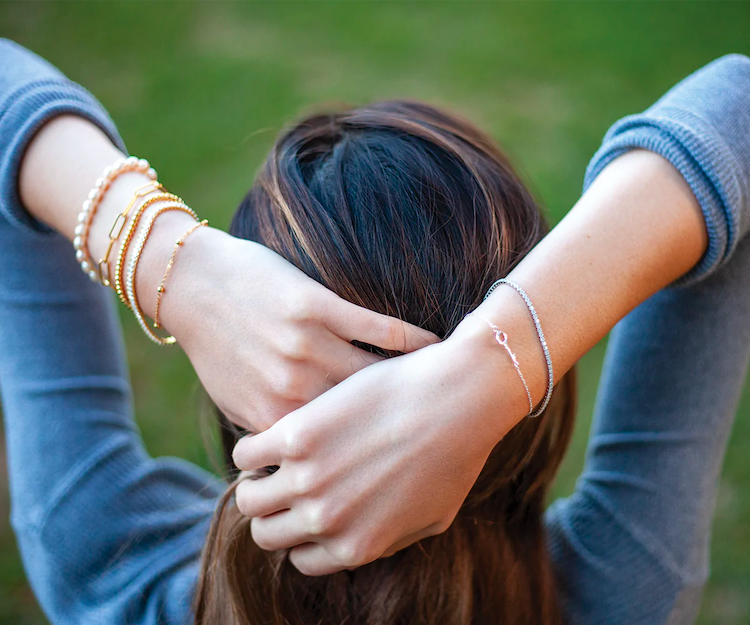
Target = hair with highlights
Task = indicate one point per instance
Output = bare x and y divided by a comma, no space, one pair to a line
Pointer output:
411,212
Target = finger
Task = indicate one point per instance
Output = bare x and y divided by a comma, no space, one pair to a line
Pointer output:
256,451
344,359
353,322
260,497
406,541
282,530
313,559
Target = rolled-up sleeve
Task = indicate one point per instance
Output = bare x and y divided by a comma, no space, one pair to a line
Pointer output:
631,545
702,127
31,93
107,534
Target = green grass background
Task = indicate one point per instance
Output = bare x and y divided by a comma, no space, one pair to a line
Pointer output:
201,89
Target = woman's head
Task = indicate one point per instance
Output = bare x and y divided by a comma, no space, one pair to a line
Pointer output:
406,210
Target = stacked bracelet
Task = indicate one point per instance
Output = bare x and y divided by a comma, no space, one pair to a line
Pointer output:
90,206
116,230
542,340
133,268
125,245
124,281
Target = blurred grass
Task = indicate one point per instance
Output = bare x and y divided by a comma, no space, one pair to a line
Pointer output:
201,89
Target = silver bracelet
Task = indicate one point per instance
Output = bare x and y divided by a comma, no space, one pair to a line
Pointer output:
540,334
502,340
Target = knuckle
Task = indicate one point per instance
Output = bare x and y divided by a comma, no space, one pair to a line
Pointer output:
354,553
303,483
304,307
284,383
297,443
297,346
324,519
316,520
389,331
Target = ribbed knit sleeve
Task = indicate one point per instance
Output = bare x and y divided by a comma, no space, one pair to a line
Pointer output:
702,126
32,92
107,534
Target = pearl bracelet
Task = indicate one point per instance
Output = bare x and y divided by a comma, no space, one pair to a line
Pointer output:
90,206
542,340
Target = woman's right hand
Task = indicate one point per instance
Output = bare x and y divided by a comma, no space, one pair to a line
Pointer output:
263,337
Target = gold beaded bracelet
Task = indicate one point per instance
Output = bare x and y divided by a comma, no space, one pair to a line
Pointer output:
178,244
119,267
133,270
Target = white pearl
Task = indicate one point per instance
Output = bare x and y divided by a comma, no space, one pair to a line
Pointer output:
93,276
79,229
131,161
151,173
93,194
79,255
85,266
99,182
87,205
108,171
77,242
84,271
82,217
143,164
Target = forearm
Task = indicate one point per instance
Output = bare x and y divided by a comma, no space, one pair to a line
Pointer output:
637,229
57,172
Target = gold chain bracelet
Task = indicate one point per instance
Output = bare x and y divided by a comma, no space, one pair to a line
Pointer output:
120,221
133,270
178,244
119,267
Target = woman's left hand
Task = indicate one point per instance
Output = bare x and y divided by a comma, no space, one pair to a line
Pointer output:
385,458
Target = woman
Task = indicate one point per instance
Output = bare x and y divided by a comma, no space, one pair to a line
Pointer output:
142,565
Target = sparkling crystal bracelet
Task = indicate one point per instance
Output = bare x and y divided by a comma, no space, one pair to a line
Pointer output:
90,206
502,340
540,334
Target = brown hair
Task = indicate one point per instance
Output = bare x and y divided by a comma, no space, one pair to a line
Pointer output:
411,212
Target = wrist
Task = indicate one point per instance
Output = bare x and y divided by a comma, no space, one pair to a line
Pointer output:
168,227
194,288
483,367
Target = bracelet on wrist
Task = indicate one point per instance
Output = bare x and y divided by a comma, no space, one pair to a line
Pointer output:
125,245
161,288
133,268
123,278
543,342
91,204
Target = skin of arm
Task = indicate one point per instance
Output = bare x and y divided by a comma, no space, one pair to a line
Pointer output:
263,337
412,434
636,230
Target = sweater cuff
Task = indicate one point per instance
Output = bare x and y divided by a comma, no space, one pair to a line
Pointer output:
694,148
26,111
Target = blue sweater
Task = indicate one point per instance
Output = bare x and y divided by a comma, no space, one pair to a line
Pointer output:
110,535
